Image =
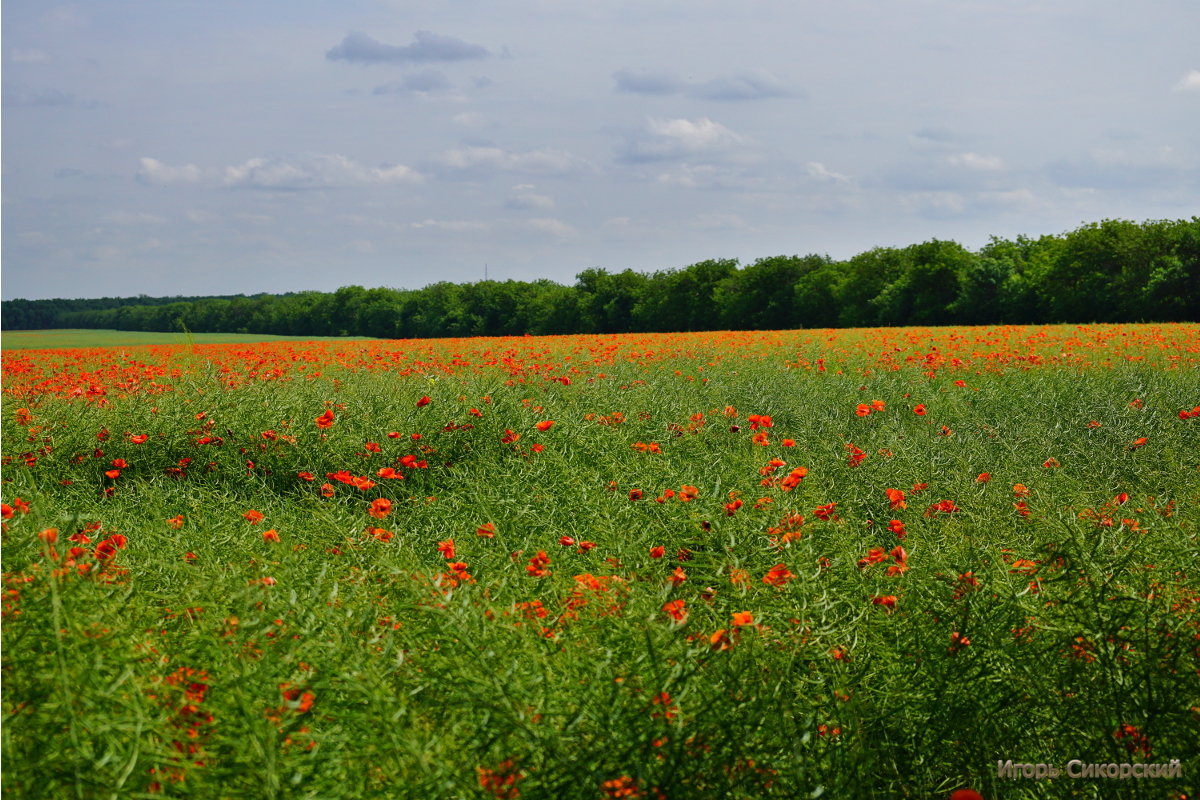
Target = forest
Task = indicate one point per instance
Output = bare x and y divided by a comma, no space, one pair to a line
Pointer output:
1109,271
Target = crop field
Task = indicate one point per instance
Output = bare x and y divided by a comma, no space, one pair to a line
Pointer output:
59,338
794,564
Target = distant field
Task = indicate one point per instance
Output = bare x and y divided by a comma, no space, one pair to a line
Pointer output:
84,337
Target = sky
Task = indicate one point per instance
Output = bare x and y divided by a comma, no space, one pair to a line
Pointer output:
198,147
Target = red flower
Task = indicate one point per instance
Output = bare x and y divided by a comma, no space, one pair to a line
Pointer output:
888,601
424,401
919,410
777,576
544,425
380,508
253,517
325,420
487,529
676,610
742,618
657,551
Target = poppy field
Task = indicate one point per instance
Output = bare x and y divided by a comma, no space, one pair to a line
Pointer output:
819,563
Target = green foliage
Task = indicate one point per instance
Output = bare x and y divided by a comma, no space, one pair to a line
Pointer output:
1111,271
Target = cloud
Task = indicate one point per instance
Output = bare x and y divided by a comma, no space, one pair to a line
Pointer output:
977,162
648,82
20,97
313,172
549,225
1189,82
524,199
133,218
153,172
454,225
28,56
741,86
428,81
474,160
359,48
669,139
817,170
934,139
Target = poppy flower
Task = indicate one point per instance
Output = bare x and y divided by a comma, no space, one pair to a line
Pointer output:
919,410
742,618
544,425
676,610
862,410
888,601
424,401
657,551
537,565
139,438
778,576
271,535
253,517
897,527
896,498
325,421
446,548
176,521
380,508
487,530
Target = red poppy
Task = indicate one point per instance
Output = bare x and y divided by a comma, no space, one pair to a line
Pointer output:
253,517
487,530
424,401
862,410
271,535
742,618
657,551
919,410
896,498
544,425
446,548
778,576
676,610
325,420
380,508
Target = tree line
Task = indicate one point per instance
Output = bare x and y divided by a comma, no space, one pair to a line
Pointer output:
1110,271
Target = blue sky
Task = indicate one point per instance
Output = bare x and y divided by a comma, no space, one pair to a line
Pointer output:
220,147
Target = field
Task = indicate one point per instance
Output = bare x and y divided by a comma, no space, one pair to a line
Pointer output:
58,339
852,563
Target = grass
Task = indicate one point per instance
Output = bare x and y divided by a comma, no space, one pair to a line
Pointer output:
70,338
627,629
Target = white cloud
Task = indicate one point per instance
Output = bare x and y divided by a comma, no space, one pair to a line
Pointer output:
819,171
313,172
524,198
133,218
456,225
550,225
1189,82
665,139
28,56
153,172
359,48
977,162
533,162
